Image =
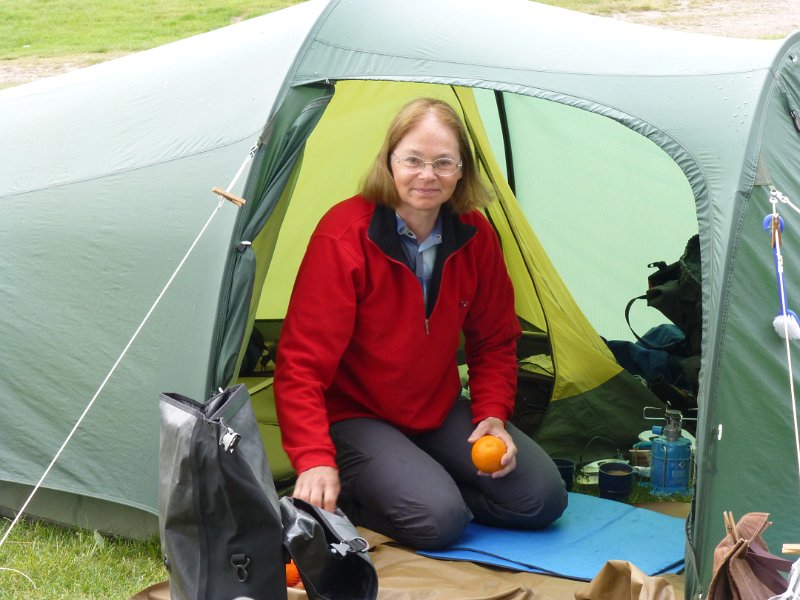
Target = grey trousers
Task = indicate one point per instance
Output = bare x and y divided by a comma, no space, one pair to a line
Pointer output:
423,490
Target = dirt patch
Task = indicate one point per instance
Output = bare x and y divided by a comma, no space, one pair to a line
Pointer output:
766,19
731,18
23,70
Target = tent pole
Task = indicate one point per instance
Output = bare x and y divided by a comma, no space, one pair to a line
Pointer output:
501,113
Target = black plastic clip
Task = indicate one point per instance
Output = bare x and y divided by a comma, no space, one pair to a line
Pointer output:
240,562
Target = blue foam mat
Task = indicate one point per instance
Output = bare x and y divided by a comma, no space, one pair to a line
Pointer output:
591,532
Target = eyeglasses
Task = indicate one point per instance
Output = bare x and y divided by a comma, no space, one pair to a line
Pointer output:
441,166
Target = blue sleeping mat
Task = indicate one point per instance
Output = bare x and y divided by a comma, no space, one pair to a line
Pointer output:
590,532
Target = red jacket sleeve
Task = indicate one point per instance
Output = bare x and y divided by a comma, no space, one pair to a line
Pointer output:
491,332
318,325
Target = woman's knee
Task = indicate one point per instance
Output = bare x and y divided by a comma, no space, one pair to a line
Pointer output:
431,525
552,502
531,506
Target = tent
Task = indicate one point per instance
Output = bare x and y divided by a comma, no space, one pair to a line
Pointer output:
612,142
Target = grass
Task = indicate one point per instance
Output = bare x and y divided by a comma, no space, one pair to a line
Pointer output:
50,28
45,562
641,493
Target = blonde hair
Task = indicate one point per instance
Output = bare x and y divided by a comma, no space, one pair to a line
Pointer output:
379,187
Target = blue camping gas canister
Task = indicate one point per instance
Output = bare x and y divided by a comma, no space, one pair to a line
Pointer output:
671,458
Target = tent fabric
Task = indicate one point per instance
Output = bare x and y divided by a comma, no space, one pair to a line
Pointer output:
102,195
273,172
100,200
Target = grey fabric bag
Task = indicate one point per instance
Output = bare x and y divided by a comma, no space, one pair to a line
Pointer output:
329,552
220,525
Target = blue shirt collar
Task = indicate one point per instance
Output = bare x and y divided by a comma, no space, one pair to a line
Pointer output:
434,238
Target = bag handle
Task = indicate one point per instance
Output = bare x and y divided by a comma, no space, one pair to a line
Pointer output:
339,531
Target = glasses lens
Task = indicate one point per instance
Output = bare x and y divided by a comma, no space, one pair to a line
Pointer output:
445,166
413,163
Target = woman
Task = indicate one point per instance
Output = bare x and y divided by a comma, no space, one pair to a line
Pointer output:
367,385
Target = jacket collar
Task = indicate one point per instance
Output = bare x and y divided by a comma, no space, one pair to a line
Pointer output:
383,231
455,234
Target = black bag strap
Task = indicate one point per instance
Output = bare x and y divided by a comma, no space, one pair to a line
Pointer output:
628,321
667,347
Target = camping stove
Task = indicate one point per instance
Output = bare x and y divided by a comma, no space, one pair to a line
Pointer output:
671,457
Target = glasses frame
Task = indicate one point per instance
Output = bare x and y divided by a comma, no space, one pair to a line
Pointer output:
425,163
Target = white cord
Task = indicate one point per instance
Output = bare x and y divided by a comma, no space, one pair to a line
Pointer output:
86,410
778,196
775,196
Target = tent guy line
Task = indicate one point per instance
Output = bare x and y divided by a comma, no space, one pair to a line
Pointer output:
223,195
775,197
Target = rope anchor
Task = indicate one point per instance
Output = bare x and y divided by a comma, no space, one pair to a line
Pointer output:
786,323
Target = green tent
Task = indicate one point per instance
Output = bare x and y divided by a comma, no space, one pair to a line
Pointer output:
612,142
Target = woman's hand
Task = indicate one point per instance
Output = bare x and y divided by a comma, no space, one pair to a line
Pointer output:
318,486
494,426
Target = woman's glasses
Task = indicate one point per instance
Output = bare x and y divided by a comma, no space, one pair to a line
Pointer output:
441,166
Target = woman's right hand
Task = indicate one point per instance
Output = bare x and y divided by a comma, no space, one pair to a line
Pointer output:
318,486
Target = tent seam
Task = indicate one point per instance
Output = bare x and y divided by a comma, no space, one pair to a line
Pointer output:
106,174
526,70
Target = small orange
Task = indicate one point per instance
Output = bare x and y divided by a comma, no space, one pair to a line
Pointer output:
292,574
487,452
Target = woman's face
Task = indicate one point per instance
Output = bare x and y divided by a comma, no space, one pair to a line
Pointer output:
425,190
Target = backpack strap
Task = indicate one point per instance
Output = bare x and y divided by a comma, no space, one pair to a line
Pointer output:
628,321
667,347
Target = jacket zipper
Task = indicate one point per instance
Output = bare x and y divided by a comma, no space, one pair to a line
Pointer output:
447,260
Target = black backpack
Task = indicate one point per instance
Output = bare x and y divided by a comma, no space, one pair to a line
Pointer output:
675,290
256,355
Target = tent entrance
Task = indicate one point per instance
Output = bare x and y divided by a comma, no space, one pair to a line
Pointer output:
585,182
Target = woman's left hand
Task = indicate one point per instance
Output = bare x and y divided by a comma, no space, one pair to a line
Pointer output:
494,426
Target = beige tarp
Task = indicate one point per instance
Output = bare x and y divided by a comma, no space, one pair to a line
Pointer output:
405,575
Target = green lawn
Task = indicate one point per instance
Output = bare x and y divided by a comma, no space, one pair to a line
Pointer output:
51,28
44,562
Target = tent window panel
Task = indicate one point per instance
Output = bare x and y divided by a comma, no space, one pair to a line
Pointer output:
586,183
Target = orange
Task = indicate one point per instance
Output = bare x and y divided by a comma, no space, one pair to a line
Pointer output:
487,452
292,574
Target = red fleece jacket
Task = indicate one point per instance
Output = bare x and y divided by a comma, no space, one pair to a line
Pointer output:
357,340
